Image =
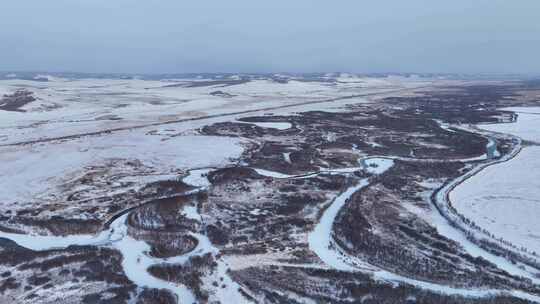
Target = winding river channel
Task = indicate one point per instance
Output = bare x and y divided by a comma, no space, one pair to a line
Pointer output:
136,259
322,243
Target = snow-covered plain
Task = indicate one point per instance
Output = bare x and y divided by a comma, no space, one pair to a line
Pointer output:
67,107
128,115
35,172
504,198
526,127
73,106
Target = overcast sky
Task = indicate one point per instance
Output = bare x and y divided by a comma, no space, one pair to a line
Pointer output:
160,36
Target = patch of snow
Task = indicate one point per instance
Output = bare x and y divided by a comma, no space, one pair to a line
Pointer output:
374,144
198,178
255,211
48,77
272,174
191,213
444,126
377,165
287,156
37,170
227,289
272,125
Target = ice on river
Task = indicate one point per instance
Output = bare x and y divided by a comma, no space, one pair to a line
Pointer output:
46,242
272,125
321,243
320,239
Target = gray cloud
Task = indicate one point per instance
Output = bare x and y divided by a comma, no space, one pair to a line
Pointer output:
156,36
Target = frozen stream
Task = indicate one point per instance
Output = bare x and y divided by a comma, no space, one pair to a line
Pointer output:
272,125
322,243
136,259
